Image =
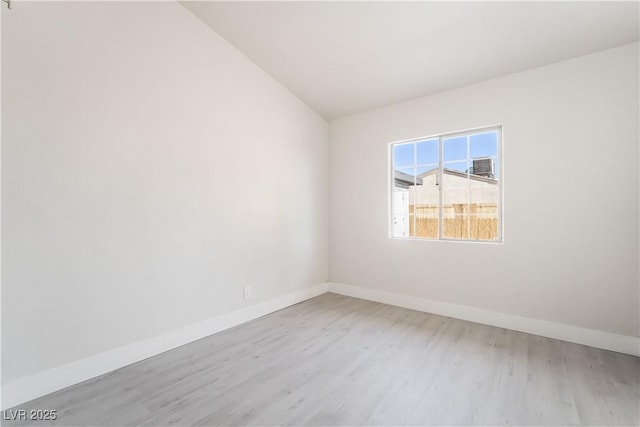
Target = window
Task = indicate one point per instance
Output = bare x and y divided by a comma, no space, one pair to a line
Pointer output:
448,187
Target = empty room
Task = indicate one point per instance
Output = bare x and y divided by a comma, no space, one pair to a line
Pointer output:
320,213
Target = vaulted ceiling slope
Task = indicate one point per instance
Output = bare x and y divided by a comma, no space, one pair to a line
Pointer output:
341,58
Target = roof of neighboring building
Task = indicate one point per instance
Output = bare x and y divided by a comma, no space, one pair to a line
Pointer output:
460,174
405,180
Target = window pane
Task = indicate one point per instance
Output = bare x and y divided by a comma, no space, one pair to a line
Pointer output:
403,178
483,150
455,201
400,213
484,194
403,155
426,223
427,152
462,166
484,145
422,171
402,206
483,207
456,227
454,148
427,202
484,227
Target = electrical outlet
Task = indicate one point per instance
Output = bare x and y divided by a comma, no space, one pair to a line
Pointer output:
246,292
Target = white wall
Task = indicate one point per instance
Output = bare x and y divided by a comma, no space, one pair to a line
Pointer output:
570,252
149,171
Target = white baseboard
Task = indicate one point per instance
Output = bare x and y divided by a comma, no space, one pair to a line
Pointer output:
28,388
593,338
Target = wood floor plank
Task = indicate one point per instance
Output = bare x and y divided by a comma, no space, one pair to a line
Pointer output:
337,361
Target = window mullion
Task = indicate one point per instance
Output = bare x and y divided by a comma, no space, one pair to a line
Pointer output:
440,178
469,165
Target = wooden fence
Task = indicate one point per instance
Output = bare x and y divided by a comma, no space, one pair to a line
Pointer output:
461,221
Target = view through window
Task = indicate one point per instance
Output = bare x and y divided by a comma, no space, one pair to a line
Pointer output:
448,186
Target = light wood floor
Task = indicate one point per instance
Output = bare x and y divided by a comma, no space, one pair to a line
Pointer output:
335,360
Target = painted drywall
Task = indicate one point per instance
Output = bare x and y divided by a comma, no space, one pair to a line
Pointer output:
570,253
149,171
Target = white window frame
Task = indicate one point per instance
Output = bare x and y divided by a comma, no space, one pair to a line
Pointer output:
440,137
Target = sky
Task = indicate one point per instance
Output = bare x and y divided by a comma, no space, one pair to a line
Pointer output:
423,155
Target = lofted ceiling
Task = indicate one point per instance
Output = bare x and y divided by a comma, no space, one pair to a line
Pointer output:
341,58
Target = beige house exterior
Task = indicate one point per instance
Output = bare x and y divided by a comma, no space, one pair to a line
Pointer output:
470,205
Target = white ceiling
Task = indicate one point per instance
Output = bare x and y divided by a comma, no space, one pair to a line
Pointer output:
345,57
